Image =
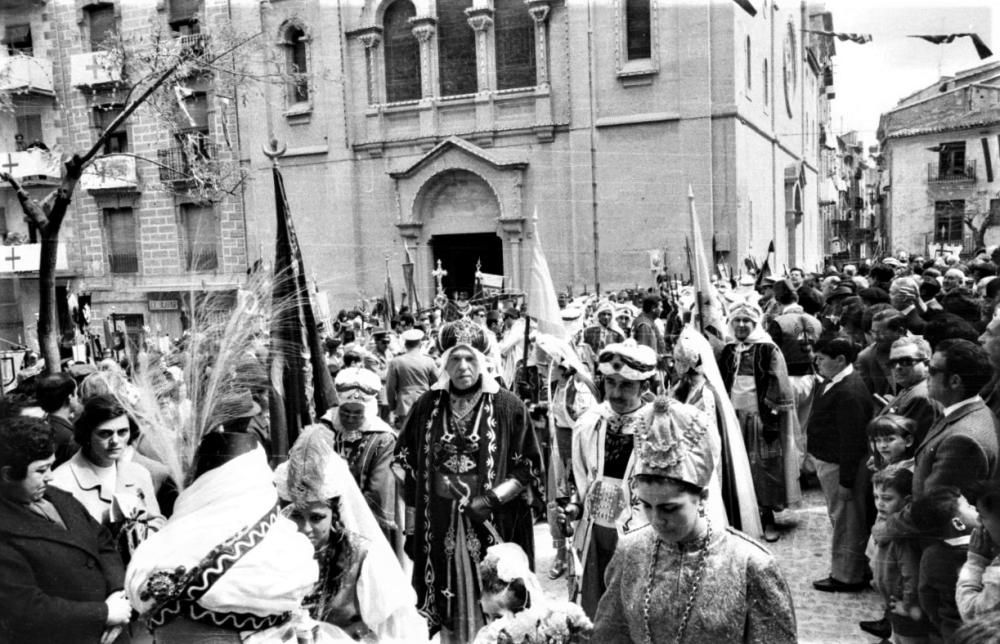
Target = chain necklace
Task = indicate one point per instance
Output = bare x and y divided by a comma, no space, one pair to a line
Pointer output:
689,605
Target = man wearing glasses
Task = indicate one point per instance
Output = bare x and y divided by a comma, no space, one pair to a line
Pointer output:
908,360
873,361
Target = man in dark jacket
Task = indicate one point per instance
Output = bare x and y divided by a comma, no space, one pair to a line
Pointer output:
838,442
60,574
57,397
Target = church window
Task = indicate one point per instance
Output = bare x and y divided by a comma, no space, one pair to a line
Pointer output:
514,33
638,43
456,48
402,53
297,64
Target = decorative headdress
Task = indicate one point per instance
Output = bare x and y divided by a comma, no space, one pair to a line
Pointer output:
357,384
676,445
512,563
746,309
314,471
605,307
628,359
462,332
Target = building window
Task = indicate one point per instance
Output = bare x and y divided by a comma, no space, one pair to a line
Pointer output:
402,53
200,237
118,139
767,86
456,48
951,159
638,42
949,221
100,24
17,38
29,126
514,34
183,17
749,66
296,44
123,254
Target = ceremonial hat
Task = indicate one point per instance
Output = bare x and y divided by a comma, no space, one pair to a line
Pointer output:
746,309
412,335
605,307
628,359
462,331
676,445
357,384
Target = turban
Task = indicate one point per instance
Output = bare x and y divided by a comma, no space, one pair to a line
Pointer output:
629,360
746,309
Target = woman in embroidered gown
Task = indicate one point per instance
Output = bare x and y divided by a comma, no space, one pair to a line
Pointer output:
361,589
681,579
731,492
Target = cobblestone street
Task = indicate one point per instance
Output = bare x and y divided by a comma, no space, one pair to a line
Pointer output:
803,552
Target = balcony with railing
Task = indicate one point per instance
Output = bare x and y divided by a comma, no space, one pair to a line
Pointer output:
22,74
123,262
951,174
94,68
114,172
176,162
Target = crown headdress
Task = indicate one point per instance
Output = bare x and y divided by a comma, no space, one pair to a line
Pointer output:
676,445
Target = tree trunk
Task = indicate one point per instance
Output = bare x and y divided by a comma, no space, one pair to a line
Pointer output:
48,309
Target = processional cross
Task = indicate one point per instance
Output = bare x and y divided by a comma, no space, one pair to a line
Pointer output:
439,275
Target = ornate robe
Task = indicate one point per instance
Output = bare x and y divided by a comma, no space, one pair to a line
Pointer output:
441,464
742,596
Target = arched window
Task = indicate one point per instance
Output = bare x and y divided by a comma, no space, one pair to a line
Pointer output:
456,48
402,53
297,64
638,43
514,34
749,67
767,85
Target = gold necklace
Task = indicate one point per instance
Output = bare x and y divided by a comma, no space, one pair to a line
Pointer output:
696,584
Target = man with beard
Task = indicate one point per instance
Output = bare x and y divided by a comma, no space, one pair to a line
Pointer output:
603,438
469,459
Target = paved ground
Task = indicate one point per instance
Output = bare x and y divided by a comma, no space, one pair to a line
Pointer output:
803,551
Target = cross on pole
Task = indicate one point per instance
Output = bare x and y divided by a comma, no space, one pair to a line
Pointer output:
10,165
439,275
12,259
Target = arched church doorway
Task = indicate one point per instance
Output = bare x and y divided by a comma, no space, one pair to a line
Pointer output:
459,255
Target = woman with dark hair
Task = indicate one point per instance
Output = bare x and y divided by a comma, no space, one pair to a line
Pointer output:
681,579
117,493
356,563
60,576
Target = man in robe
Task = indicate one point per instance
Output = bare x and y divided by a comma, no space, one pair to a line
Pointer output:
471,466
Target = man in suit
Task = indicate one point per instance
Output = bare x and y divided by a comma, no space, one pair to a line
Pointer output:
873,361
904,295
409,375
603,333
58,398
60,575
908,360
838,443
960,449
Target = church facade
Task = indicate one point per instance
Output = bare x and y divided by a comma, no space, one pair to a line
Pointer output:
444,129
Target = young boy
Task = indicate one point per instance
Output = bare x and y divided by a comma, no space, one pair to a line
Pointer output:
895,561
978,589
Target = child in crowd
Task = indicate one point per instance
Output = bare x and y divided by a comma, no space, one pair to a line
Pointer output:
978,589
895,561
948,518
892,439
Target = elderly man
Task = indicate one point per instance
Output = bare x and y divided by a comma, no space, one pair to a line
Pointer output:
603,438
904,295
908,360
470,459
873,361
954,279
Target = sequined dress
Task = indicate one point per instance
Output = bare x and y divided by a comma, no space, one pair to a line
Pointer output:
742,597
